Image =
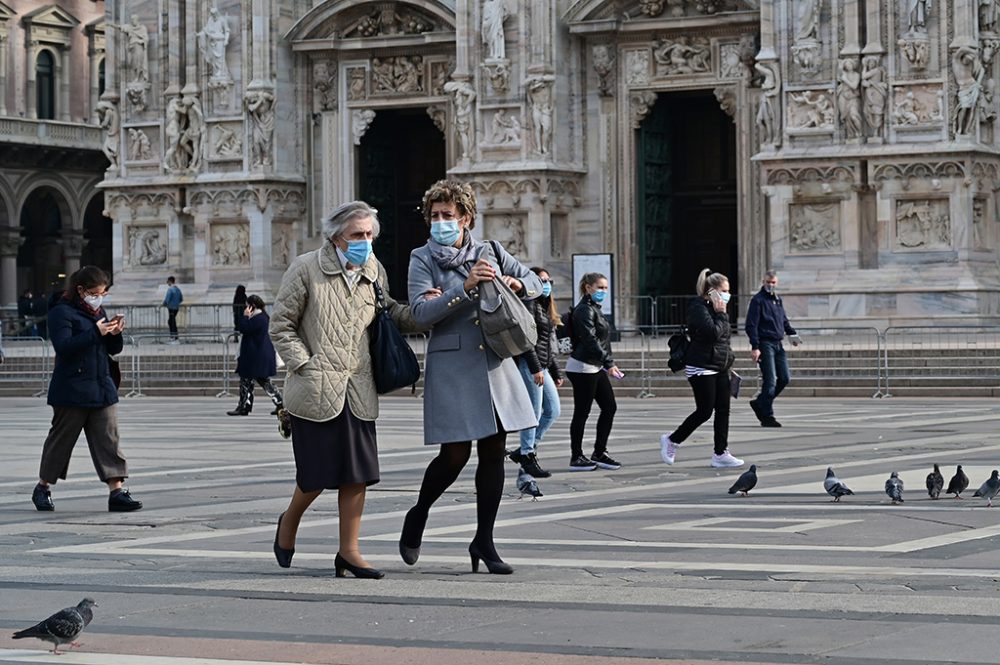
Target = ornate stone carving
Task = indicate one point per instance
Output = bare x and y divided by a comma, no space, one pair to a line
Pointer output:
399,75
768,113
915,44
916,172
110,122
505,130
812,174
637,68
849,98
539,90
686,55
214,38
727,100
916,15
361,120
463,96
807,49
139,148
968,72
184,131
386,20
439,115
979,231
810,109
230,245
923,224
989,13
640,104
498,72
281,245
654,8
603,59
876,94
136,42
227,145
136,95
676,7
146,246
731,61
260,114
325,85
440,73
508,230
356,79
814,227
918,105
494,15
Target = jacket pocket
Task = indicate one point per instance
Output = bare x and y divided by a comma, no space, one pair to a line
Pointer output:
451,342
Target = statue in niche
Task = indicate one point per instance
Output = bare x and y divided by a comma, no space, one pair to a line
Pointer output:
684,56
506,130
604,66
808,20
807,48
193,138
139,149
325,85
146,248
172,133
494,14
260,109
184,131
968,72
989,12
540,101
109,120
214,40
463,96
876,93
227,143
849,98
767,113
916,15
137,40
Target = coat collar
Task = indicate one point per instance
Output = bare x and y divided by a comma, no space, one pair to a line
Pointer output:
329,263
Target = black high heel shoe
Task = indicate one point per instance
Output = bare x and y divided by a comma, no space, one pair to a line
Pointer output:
496,567
283,556
409,554
341,564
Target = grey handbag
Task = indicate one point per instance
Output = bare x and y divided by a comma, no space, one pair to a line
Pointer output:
508,327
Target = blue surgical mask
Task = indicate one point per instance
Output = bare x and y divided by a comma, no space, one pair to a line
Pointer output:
445,233
546,289
725,297
598,296
358,251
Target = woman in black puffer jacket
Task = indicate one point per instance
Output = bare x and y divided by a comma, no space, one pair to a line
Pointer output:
588,370
708,366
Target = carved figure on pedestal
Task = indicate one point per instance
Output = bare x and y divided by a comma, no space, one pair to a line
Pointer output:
172,133
916,15
214,40
604,65
989,11
463,96
494,14
808,20
876,94
227,143
193,136
139,148
969,72
807,48
506,130
137,39
849,98
540,101
767,113
260,109
108,119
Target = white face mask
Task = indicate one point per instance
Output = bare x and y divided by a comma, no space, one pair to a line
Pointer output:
94,302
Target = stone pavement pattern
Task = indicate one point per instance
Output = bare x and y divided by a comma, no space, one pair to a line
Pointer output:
610,567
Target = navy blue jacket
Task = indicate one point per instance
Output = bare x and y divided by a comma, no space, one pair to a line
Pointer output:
766,320
256,359
81,376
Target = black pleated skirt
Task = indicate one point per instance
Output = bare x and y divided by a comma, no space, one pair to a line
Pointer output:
337,452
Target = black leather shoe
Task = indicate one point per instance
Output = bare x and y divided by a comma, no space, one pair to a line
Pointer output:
756,410
238,411
283,556
495,566
341,565
409,553
120,501
515,455
275,411
770,422
42,498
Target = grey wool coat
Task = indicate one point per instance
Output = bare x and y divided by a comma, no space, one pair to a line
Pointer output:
466,384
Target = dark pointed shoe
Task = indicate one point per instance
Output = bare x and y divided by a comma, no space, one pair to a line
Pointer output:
495,566
529,463
342,567
238,411
283,556
770,422
410,553
42,498
120,501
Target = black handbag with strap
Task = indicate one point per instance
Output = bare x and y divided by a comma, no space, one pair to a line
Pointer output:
394,364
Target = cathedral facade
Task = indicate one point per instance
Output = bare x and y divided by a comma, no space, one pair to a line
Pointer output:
851,145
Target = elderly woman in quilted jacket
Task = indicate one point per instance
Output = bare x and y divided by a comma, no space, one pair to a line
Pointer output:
319,327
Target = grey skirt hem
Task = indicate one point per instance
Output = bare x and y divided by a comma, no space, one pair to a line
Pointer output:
341,451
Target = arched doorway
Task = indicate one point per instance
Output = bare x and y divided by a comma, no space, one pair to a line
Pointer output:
40,260
401,155
97,248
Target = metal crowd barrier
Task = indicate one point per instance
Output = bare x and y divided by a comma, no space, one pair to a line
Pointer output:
194,357
631,340
851,351
27,361
974,350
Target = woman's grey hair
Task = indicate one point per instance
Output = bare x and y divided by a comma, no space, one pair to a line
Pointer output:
344,214
708,280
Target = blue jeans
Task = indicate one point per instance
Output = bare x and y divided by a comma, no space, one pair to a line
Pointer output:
545,402
774,376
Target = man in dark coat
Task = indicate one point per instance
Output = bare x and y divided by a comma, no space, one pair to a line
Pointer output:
766,327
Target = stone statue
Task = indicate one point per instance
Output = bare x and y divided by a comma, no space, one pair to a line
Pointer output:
506,129
540,101
604,66
108,119
808,20
969,72
361,119
498,71
767,112
214,39
876,93
193,135
494,14
139,148
172,134
383,75
849,98
989,12
260,107
325,86
227,143
146,248
916,13
408,74
137,41
463,97
684,56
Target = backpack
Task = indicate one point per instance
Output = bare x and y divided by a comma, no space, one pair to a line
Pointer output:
679,343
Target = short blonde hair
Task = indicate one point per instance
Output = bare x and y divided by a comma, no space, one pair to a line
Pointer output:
451,191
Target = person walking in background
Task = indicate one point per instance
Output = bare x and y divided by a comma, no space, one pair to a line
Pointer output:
540,371
766,326
588,368
470,394
256,362
708,361
82,393
239,304
172,301
25,311
322,311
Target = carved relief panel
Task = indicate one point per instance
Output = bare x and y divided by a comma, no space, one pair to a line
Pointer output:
142,145
814,228
922,224
146,245
400,75
505,128
917,106
509,230
282,249
637,68
230,245
682,56
810,110
917,28
225,142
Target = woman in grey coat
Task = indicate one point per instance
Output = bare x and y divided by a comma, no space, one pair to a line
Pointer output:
470,393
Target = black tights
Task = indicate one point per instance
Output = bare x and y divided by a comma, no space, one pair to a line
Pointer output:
443,471
711,393
587,389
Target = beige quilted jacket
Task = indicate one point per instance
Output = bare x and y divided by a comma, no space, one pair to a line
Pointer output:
319,327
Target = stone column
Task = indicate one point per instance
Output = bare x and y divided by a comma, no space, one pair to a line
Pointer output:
966,22
767,33
72,249
62,98
873,25
3,69
10,241
260,41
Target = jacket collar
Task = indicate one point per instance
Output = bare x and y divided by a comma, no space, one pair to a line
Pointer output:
329,263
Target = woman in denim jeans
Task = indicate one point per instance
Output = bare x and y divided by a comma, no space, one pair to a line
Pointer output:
542,377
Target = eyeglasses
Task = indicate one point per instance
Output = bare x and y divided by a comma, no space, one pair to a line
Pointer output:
103,292
548,281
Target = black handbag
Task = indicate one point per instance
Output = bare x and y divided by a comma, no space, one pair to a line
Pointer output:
394,364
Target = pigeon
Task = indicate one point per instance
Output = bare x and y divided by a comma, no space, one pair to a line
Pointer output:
935,482
527,486
989,489
958,483
746,482
63,627
834,487
894,488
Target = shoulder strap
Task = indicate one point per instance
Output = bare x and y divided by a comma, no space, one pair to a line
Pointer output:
379,296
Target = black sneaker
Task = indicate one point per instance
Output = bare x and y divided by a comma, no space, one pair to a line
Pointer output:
42,498
605,461
756,410
515,455
581,463
770,422
120,501
529,464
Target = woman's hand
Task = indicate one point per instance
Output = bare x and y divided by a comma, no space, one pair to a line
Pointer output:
248,310
482,271
514,284
118,320
616,373
539,378
717,303
106,327
432,293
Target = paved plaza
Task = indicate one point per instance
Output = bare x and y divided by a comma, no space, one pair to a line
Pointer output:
610,567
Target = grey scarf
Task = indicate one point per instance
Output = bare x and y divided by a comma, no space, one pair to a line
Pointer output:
449,258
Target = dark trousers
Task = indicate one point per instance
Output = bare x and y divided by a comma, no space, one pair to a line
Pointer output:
587,389
774,376
172,322
246,391
711,393
101,429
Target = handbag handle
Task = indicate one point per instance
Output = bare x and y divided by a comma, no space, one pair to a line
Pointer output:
379,297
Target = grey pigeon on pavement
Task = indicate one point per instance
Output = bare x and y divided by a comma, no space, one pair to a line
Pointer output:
894,488
958,483
527,486
935,482
63,627
833,486
989,489
746,482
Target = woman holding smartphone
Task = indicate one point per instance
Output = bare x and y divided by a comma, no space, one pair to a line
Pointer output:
708,364
257,361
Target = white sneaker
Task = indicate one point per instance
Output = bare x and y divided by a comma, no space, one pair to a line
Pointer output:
668,449
726,460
